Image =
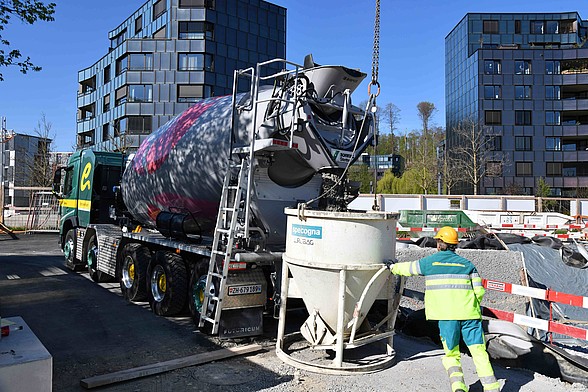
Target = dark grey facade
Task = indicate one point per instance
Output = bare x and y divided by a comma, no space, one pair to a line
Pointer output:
523,79
168,55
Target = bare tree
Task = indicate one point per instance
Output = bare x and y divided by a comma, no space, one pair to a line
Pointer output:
40,165
475,153
391,116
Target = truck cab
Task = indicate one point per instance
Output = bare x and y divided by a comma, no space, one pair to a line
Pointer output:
85,196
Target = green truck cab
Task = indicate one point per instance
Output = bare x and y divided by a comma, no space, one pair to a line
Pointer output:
85,196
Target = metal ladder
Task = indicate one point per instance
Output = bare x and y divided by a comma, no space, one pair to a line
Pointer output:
233,195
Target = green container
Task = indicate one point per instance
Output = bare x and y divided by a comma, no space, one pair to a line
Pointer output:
435,218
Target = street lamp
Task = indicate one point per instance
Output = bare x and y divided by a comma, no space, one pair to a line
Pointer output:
5,136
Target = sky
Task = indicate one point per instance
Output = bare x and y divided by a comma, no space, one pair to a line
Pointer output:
336,32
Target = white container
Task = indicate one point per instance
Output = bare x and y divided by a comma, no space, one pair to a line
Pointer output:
320,244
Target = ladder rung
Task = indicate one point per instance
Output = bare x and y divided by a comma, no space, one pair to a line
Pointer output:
210,320
229,209
233,187
216,275
224,231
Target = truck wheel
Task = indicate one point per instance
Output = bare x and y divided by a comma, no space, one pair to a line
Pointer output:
132,271
197,289
69,247
92,261
168,283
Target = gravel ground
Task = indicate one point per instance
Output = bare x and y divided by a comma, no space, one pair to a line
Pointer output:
119,346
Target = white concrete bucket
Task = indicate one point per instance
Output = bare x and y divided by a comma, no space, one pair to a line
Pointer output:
335,259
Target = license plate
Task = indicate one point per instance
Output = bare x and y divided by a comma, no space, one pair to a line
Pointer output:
245,289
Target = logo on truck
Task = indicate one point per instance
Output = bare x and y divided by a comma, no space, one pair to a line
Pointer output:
307,231
86,176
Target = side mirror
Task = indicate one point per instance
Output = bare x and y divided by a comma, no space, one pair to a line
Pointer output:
57,187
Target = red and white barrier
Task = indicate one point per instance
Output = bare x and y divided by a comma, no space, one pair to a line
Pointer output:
543,294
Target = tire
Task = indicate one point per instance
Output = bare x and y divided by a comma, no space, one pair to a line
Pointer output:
132,272
168,284
69,251
92,261
196,299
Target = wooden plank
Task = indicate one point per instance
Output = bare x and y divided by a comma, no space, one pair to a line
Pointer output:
160,367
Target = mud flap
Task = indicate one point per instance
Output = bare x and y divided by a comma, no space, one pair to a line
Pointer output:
238,323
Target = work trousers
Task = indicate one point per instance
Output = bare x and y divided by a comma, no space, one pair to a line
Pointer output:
473,336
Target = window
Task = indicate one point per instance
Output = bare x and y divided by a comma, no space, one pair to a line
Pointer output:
195,30
106,104
493,191
138,24
194,62
193,93
553,169
494,169
492,92
569,172
121,65
522,92
493,142
161,33
552,67
86,139
120,126
118,39
552,118
197,4
120,96
537,27
68,182
567,26
523,143
158,8
517,26
552,27
493,117
141,62
490,27
552,92
107,74
140,93
553,144
524,169
523,117
492,67
522,67
139,125
105,133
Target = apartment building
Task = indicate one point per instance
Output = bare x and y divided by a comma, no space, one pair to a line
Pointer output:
167,55
522,78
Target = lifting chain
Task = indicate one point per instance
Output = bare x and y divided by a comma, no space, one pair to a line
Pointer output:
376,53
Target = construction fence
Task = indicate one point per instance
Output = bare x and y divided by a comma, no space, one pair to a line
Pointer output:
42,214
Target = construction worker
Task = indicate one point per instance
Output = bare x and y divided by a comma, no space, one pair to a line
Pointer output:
453,292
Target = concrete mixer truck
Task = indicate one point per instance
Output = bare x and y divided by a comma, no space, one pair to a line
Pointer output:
195,218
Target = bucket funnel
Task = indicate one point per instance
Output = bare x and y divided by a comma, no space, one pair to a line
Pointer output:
334,257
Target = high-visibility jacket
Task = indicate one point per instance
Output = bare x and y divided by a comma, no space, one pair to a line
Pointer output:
453,287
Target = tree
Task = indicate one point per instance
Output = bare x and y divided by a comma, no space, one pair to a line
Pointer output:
426,163
40,165
27,11
391,116
543,190
361,174
474,153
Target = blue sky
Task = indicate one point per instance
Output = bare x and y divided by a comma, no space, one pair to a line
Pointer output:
412,47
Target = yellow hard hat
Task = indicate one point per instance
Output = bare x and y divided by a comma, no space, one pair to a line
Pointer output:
448,235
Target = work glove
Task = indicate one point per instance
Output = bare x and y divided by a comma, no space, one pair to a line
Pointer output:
389,263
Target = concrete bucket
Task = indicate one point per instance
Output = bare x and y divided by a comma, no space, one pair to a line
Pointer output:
335,259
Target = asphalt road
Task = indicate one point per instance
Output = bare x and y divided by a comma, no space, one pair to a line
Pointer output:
90,330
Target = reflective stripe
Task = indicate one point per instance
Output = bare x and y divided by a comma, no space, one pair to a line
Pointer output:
488,380
415,268
448,276
477,283
454,369
475,275
440,263
456,378
449,287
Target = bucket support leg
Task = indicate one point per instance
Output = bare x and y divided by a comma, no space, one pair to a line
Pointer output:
340,319
283,302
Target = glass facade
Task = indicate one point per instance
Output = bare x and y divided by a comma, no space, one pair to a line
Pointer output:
167,55
523,77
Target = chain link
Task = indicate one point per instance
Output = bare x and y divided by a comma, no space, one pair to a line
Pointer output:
376,52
